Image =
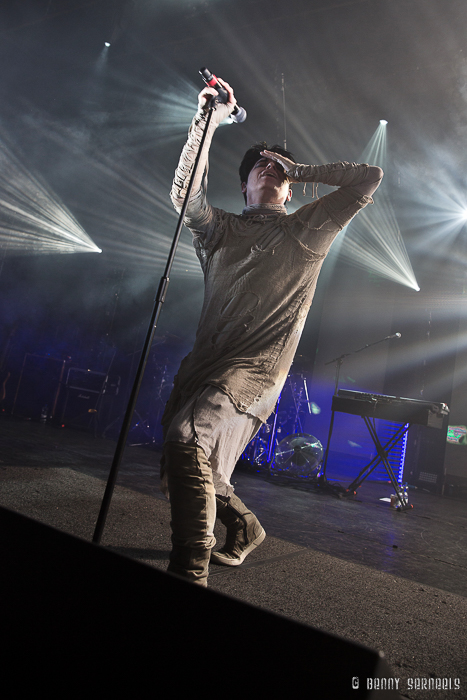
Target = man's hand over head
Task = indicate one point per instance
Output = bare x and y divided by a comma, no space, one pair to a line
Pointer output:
286,163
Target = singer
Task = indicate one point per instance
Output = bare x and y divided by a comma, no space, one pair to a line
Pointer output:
260,269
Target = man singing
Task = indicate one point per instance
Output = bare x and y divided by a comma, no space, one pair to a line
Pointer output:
260,273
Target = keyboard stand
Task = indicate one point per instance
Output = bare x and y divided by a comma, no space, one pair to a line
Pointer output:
381,457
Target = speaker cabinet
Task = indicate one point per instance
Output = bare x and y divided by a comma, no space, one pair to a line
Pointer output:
78,619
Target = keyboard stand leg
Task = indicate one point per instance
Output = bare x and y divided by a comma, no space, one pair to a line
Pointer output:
382,457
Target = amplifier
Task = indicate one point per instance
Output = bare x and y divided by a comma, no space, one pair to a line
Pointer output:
79,408
92,382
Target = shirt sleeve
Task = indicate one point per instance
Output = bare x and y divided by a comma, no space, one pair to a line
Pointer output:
338,207
343,204
316,225
200,217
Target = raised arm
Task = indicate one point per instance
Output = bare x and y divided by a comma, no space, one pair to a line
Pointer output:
363,178
198,211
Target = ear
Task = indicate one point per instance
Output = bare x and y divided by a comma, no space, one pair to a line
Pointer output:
243,187
289,195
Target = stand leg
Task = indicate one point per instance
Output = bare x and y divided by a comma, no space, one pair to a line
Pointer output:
382,457
272,440
159,300
322,475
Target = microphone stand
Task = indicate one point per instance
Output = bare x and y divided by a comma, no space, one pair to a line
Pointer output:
321,479
159,300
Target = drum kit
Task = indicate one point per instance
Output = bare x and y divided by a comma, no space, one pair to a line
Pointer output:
281,448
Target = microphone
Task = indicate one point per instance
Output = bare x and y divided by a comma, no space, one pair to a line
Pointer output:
396,335
239,114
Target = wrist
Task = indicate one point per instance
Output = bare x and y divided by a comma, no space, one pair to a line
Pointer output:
297,171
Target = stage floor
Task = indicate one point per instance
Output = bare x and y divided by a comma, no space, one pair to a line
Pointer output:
393,581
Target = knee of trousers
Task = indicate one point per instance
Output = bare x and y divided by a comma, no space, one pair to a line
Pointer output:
192,496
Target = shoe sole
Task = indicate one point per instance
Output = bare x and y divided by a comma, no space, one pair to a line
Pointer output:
217,558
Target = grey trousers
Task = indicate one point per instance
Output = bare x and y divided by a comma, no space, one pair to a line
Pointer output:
210,422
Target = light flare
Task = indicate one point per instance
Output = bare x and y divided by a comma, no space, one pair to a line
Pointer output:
32,217
373,240
438,208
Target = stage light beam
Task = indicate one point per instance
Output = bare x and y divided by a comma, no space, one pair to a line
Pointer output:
438,213
374,241
134,217
32,217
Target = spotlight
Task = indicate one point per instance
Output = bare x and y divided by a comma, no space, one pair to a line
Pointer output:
106,43
32,217
375,242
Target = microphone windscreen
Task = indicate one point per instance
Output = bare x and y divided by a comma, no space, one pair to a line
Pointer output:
238,115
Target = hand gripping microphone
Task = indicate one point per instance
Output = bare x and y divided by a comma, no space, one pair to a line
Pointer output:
239,114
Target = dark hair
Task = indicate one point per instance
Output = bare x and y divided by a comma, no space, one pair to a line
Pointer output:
254,154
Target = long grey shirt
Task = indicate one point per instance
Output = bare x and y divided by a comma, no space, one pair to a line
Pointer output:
260,271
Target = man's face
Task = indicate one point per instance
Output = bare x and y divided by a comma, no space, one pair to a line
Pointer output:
267,183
